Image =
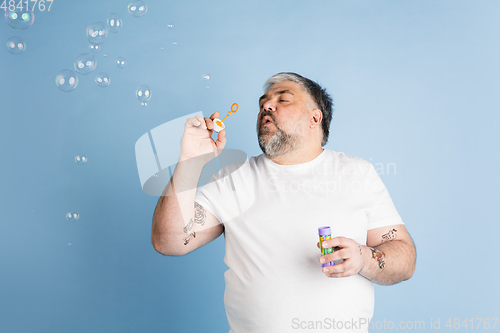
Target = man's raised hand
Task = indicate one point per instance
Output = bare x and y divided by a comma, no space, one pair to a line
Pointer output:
197,139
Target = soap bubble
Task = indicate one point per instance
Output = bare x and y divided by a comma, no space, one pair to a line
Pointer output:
20,18
72,216
170,26
121,62
137,8
16,45
81,159
66,80
97,33
85,63
143,94
114,22
206,77
102,79
94,48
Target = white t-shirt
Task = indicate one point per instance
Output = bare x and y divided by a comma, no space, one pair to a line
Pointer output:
271,214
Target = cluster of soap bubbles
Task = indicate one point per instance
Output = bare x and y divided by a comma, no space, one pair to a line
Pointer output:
86,63
66,80
19,19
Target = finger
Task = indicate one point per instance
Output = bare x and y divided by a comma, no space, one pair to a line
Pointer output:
340,254
319,247
202,122
337,241
192,122
340,275
214,115
335,269
326,258
221,139
209,123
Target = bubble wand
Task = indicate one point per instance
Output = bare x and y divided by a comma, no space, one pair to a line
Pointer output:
218,124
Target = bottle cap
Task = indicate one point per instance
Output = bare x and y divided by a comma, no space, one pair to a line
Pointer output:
323,231
218,125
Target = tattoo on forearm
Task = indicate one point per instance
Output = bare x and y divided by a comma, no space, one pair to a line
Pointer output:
389,236
199,214
360,250
188,227
199,217
188,238
379,256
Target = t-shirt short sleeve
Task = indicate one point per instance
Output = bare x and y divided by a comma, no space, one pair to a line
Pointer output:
228,192
381,212
209,192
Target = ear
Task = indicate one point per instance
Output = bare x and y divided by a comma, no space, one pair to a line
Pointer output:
316,117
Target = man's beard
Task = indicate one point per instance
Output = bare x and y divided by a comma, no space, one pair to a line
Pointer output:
280,142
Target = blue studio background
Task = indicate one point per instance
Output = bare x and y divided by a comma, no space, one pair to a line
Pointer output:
415,86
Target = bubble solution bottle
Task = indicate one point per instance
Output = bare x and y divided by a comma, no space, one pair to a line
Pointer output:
324,234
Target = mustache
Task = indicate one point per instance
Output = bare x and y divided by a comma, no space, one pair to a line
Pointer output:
266,113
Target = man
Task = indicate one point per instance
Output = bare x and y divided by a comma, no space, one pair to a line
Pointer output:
270,211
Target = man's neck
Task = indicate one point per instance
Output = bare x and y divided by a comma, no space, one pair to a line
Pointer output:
299,156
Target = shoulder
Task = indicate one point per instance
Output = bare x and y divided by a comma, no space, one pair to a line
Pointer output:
346,160
242,166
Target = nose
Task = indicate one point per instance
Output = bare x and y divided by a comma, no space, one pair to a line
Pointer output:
269,106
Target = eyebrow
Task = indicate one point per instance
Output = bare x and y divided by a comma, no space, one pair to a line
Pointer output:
276,93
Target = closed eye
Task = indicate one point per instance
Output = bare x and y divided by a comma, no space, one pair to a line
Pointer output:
281,100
